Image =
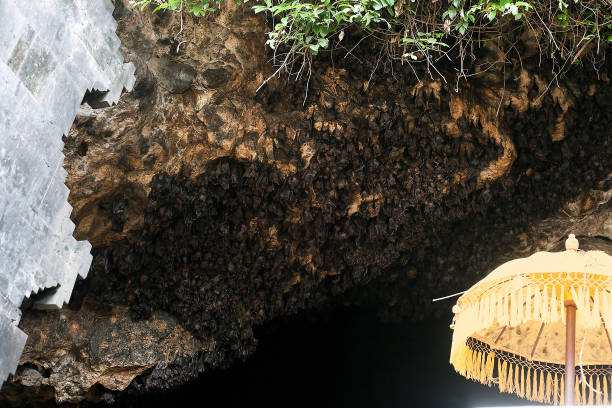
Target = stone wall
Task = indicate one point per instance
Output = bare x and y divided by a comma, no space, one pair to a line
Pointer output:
51,53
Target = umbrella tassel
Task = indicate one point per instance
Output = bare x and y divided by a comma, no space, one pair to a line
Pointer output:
584,308
607,306
537,305
534,386
520,309
464,360
476,365
528,303
457,359
502,377
493,308
598,388
486,375
491,366
482,312
603,307
562,393
482,359
577,296
555,390
509,379
561,299
591,392
521,383
583,392
541,394
548,390
471,364
485,312
545,306
517,381
605,389
485,368
468,363
481,368
505,314
490,310
595,320
528,384
514,306
590,308
608,310
499,310
554,311
577,391
486,371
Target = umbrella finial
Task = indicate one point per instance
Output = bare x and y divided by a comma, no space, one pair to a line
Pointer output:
571,243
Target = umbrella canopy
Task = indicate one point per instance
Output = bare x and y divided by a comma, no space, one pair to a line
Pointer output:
517,327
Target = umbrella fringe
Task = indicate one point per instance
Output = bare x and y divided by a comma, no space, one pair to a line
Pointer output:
541,302
518,376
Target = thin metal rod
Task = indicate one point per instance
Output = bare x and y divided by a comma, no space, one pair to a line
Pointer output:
570,351
537,341
448,297
500,334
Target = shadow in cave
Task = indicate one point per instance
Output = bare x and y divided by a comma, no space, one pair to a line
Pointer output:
347,358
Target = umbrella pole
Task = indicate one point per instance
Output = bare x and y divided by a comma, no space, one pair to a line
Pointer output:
570,351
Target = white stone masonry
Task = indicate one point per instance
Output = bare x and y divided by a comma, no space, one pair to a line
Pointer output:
51,53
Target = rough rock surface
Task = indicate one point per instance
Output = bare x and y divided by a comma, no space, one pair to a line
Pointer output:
222,208
76,355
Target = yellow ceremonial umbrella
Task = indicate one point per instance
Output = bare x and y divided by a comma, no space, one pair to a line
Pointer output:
518,328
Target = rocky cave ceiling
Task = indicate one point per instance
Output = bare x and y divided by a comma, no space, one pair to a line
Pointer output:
213,209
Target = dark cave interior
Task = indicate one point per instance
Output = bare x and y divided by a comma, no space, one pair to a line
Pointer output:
345,358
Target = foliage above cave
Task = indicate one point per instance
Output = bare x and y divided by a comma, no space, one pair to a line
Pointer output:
430,32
